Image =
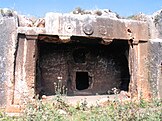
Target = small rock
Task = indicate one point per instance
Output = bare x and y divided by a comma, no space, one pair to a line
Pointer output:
62,112
44,97
124,94
6,12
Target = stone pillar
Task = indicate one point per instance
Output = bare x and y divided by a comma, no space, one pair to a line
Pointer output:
144,90
25,70
139,64
30,64
133,66
155,67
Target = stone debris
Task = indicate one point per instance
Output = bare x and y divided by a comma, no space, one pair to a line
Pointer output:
157,17
40,23
5,12
25,21
97,12
113,91
62,112
139,17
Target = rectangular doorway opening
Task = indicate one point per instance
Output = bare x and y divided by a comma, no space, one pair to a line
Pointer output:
82,80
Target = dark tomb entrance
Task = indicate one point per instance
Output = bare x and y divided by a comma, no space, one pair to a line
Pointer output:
82,68
82,80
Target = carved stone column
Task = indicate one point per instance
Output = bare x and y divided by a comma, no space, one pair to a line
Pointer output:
138,63
25,69
133,66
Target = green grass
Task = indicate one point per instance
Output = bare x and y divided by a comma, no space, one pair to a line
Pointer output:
112,111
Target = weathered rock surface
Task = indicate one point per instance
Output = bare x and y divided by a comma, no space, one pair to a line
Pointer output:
8,40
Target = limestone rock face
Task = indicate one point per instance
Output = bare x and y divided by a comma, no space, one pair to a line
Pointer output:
8,40
154,21
157,19
25,21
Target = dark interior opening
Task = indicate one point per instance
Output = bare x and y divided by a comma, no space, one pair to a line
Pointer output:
82,80
82,65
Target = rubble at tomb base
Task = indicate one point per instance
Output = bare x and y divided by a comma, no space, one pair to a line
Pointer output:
82,53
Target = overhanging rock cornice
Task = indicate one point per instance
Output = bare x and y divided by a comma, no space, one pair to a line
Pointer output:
67,25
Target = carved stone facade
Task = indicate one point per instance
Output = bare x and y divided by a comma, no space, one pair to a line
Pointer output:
83,54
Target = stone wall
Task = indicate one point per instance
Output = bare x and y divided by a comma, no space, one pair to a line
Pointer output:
155,53
155,68
8,41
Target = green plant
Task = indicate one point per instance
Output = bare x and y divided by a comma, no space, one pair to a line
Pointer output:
143,103
59,87
113,111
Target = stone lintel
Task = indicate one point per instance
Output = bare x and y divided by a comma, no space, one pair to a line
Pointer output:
67,25
95,26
